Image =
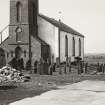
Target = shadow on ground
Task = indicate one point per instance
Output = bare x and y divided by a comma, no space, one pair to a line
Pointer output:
12,94
26,90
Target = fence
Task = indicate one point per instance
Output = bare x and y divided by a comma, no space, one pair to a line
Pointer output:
81,68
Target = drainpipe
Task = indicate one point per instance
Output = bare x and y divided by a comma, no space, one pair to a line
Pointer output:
30,55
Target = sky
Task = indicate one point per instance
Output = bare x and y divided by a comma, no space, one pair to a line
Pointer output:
85,16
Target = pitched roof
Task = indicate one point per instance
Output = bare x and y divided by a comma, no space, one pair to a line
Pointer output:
40,41
61,25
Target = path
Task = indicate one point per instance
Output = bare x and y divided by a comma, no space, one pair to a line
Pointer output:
87,92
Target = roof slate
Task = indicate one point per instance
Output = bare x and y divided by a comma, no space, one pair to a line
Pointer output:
61,25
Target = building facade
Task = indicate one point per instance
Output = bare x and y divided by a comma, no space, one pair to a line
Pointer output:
40,36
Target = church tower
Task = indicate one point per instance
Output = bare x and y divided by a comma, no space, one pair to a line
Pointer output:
23,25
23,19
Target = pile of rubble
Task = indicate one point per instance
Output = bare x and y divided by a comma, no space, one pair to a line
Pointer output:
9,75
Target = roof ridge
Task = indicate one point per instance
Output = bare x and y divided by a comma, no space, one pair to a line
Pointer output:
61,25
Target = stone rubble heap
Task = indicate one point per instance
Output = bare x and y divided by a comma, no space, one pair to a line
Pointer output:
10,75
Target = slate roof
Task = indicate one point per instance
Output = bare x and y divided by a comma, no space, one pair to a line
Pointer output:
41,41
61,25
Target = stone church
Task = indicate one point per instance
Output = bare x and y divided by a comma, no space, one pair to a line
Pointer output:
40,36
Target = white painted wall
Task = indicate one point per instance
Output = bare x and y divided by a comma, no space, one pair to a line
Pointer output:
49,33
62,45
36,50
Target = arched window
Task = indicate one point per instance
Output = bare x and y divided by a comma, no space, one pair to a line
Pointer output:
19,12
66,46
79,47
18,51
18,34
73,46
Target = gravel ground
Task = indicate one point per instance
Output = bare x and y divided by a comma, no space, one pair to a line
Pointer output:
87,92
40,84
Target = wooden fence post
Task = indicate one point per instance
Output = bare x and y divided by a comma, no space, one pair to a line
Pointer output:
81,66
65,68
104,68
79,69
98,67
101,68
69,65
86,65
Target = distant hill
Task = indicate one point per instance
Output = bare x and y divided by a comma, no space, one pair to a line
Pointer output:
94,58
95,54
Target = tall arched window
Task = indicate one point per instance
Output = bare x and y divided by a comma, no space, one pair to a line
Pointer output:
19,12
18,34
73,46
79,47
66,46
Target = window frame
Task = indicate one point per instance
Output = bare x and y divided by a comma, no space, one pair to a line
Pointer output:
66,46
80,47
73,46
19,11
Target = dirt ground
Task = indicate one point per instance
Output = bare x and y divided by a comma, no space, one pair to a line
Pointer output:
40,84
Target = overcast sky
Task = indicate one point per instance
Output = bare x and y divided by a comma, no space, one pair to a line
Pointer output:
86,16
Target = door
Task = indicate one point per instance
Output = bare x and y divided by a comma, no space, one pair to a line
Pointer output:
45,52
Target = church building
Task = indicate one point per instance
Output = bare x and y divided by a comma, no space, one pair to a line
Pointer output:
40,36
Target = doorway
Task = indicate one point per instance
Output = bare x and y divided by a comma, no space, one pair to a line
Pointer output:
45,52
18,52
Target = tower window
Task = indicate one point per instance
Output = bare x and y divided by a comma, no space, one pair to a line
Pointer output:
66,46
79,47
73,46
19,12
18,34
25,53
